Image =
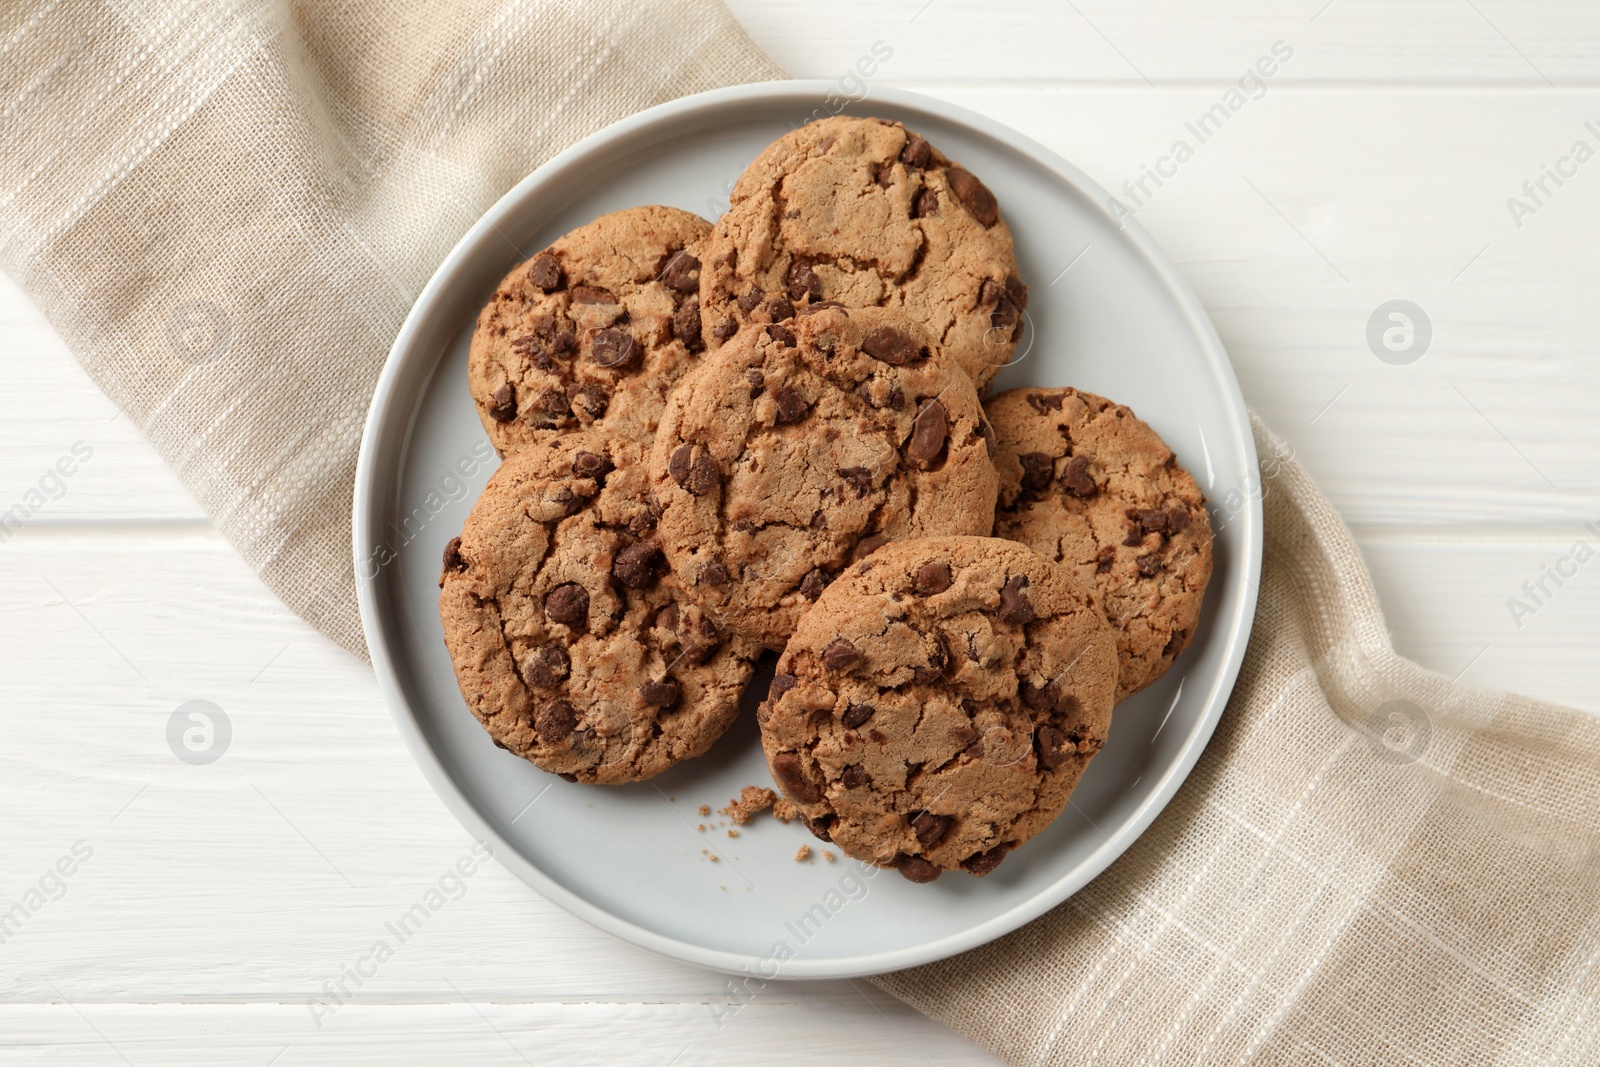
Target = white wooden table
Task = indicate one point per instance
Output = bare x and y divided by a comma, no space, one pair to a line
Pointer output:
1374,164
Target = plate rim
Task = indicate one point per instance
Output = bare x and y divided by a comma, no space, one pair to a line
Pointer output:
369,495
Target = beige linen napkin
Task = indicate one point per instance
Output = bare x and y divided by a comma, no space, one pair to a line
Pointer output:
1369,865
227,209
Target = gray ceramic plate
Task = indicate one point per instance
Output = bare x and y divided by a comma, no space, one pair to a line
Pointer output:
1108,313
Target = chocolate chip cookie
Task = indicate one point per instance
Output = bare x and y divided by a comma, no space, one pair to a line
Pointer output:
593,332
1087,484
801,446
938,704
864,212
571,641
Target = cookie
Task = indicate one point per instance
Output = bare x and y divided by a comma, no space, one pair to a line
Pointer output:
866,213
799,447
593,332
1085,483
938,704
571,642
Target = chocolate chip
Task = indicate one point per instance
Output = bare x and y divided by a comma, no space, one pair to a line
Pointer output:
916,869
803,281
791,778
1149,564
749,301
781,684
821,829
682,273
686,325
986,432
693,469
1016,292
854,777
860,479
825,305
551,409
592,294
1004,315
792,407
1077,480
981,863
1041,698
725,331
591,399
757,380
1177,520
714,574
781,335
549,665
917,152
452,556
1014,606
1174,644
932,577
815,581
974,196
1135,536
841,655
568,603
594,465
926,204
545,272
928,434
889,345
614,347
503,404
779,309
819,521
884,175
1104,559
930,828
856,714
1050,744
1150,520
640,565
662,694
1038,468
867,546
990,292
1043,402
555,721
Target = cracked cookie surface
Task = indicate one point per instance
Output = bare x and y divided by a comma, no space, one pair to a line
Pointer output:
866,213
1086,483
593,332
571,641
800,447
938,705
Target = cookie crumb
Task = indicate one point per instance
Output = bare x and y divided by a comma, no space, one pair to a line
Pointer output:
705,809
701,827
829,856
715,858
785,810
733,833
802,853
752,801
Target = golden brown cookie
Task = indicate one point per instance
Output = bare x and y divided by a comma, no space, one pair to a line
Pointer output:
801,446
571,642
866,213
939,703
1084,482
593,332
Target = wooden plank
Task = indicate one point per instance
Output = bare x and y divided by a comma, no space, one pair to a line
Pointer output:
868,1029
1162,42
315,829
1386,196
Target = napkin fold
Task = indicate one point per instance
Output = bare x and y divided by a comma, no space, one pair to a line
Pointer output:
1369,864
227,210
